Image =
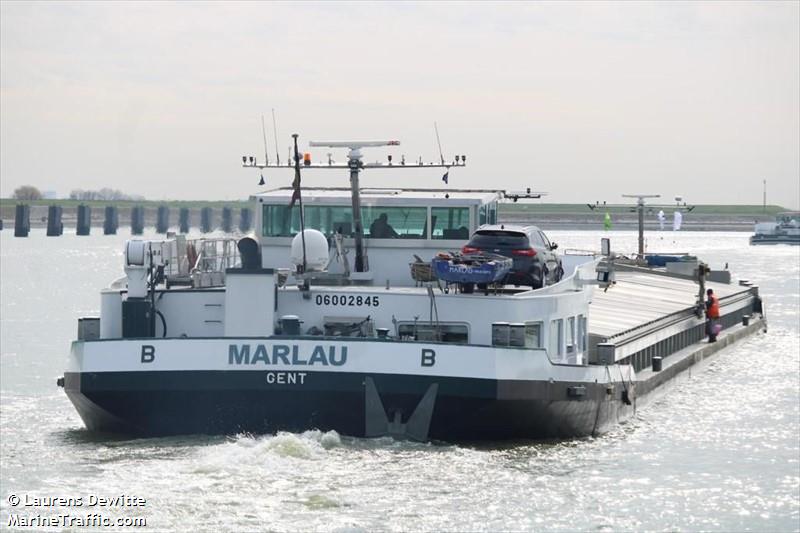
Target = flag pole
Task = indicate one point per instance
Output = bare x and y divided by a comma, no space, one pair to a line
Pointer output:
298,195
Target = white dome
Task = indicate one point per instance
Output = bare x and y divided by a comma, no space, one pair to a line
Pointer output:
317,255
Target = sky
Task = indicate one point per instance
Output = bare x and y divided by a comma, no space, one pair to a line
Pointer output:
586,101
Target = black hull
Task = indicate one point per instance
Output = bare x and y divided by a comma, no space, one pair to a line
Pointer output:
230,402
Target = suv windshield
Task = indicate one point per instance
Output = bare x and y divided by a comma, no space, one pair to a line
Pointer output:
499,238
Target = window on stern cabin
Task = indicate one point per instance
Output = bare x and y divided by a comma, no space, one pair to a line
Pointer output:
556,340
450,223
279,220
533,334
582,333
571,335
425,331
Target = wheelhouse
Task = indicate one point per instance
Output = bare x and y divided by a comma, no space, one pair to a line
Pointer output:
398,224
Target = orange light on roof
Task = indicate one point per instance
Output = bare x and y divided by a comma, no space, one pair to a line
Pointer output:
307,159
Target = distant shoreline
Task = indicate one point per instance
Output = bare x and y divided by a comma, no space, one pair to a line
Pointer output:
545,216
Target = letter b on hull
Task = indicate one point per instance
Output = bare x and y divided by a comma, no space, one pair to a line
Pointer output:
148,353
428,357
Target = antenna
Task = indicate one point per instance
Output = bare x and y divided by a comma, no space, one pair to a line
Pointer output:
527,194
355,165
264,133
275,136
436,129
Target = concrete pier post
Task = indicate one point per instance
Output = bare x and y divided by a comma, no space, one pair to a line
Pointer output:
245,220
84,220
205,219
55,227
162,219
111,221
227,219
22,220
183,220
137,220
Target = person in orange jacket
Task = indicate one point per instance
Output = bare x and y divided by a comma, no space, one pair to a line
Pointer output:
712,314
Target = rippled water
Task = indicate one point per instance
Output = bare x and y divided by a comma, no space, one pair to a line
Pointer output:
719,450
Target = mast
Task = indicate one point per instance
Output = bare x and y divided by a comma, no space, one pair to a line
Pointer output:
354,162
640,208
355,165
640,198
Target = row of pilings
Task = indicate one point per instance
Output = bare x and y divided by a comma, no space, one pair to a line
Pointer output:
55,226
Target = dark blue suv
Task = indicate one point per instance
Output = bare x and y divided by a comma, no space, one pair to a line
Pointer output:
535,260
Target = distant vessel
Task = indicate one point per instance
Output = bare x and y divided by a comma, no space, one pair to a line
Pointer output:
785,230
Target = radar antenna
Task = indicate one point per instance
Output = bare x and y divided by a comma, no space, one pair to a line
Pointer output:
355,165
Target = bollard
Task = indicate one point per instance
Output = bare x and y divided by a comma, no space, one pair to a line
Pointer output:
656,363
183,220
111,220
245,220
162,219
84,220
745,320
137,220
55,227
205,219
227,219
22,220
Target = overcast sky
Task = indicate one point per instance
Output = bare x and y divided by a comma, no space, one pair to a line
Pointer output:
586,101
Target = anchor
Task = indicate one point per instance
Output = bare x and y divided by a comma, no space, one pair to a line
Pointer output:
377,423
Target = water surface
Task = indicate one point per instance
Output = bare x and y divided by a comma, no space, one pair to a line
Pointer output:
718,451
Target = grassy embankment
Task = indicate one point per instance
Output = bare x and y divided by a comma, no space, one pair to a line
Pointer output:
583,209
543,208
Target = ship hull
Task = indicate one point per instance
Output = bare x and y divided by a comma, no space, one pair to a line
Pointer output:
354,404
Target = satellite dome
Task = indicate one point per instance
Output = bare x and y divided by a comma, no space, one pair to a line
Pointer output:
317,255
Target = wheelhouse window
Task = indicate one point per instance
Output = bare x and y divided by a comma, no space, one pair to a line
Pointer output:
395,222
279,220
450,223
329,219
443,332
